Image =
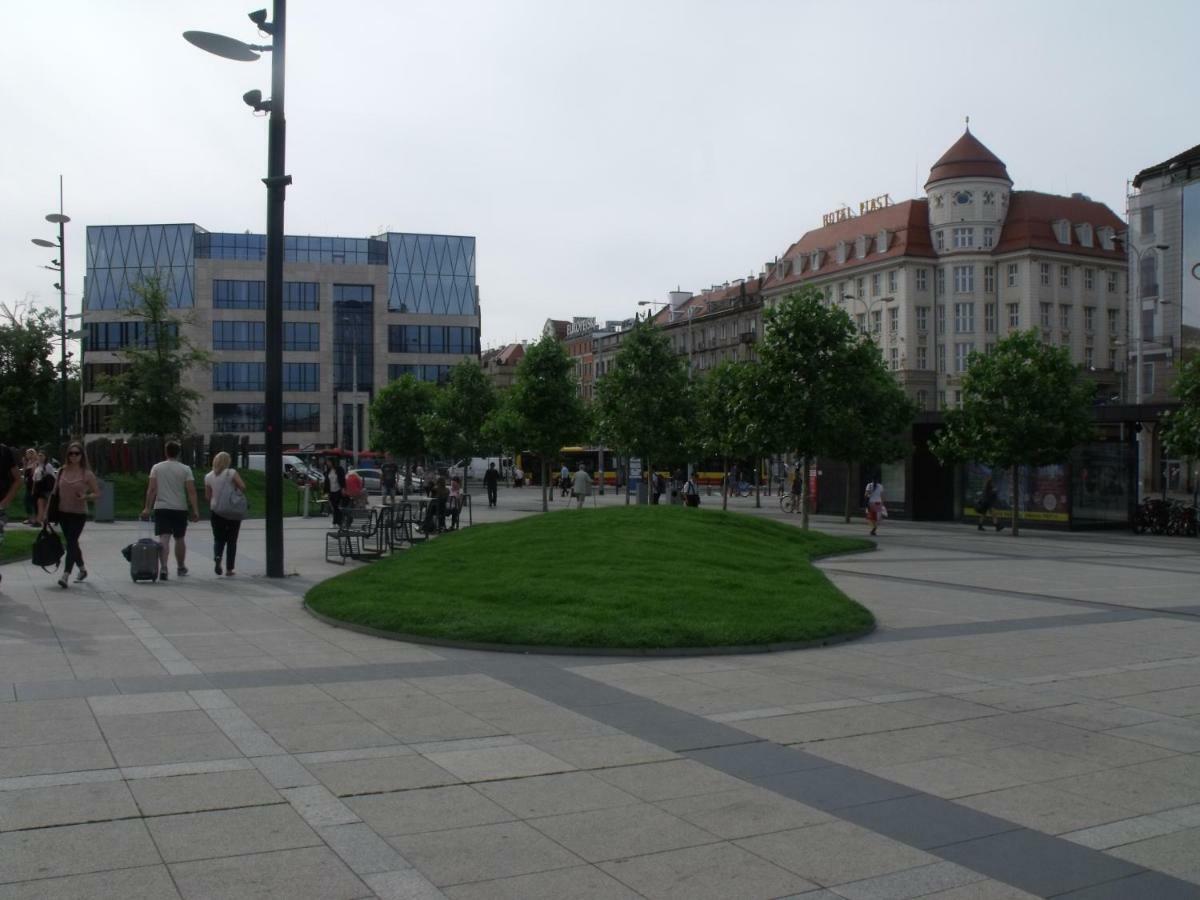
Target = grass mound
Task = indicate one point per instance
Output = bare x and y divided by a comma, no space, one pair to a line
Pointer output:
131,494
18,544
641,577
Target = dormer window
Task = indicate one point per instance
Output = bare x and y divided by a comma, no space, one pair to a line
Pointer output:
1105,233
1062,231
841,252
860,246
1083,232
815,260
881,241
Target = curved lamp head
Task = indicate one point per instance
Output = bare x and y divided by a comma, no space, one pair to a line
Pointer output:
58,218
220,45
42,242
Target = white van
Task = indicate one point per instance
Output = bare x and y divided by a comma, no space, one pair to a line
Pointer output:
476,466
293,466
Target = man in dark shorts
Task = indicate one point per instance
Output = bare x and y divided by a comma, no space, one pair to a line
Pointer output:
387,479
171,491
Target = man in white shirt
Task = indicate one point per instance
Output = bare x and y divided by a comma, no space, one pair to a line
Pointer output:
171,491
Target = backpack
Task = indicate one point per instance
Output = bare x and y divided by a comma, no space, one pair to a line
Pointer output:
47,548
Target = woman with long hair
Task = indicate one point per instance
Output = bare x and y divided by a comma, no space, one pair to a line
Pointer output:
225,531
76,485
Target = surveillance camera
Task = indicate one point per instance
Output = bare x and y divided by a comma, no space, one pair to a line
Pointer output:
258,17
253,98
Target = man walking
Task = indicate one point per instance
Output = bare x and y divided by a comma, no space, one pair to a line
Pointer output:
491,480
172,490
387,479
582,486
564,479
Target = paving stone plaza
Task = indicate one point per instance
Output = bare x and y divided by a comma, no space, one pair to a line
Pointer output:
1025,722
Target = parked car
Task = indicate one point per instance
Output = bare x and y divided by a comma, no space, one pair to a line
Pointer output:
373,481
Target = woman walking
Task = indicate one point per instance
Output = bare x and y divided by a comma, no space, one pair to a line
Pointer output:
875,507
225,531
76,485
43,486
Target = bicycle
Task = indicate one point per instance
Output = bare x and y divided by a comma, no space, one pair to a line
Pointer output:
789,502
744,489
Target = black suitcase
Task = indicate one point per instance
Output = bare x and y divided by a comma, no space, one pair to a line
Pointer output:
144,556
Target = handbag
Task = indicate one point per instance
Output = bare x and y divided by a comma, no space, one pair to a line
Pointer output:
47,548
231,502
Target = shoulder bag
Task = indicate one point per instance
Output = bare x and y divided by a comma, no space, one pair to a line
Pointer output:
230,503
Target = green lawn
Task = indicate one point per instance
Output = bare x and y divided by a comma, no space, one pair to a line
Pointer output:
640,577
131,494
18,543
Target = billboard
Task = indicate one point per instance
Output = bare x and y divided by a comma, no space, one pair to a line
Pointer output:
1190,294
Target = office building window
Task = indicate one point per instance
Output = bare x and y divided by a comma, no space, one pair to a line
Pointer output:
958,399
892,281
941,318
1013,274
989,317
1064,317
301,336
875,284
964,238
302,417
894,358
989,237
1147,379
1112,357
876,320
939,287
1112,282
301,376
1089,357
922,400
941,357
1064,276
1089,319
1047,310
239,335
433,373
922,318
437,339
941,399
1014,315
1089,279
922,358
1044,272
1147,220
964,318
120,335
353,337
962,351
1113,322
989,279
239,294
964,279
238,376
939,240
1148,269
301,295
234,418
861,319
893,319
922,279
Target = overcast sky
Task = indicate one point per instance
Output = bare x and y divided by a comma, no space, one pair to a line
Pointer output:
602,153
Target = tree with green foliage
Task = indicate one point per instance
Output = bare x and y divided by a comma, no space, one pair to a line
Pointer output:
642,403
149,396
1024,404
542,411
1181,431
454,426
30,389
808,356
721,420
396,415
871,425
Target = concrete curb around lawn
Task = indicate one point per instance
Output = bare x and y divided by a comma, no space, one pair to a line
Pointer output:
550,650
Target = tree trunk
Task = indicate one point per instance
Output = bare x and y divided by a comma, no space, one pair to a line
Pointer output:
1016,499
848,495
627,480
726,485
804,492
545,478
758,484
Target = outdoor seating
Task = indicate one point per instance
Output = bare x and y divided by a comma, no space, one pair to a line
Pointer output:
357,537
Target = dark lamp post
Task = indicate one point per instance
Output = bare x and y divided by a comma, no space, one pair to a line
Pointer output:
276,182
60,266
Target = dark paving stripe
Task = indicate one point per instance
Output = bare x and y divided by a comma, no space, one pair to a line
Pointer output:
1003,850
962,629
1142,886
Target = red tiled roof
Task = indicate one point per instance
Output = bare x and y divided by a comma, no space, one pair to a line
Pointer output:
907,225
1031,217
511,354
702,302
968,158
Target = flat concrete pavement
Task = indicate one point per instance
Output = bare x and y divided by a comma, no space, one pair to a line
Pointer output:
1025,722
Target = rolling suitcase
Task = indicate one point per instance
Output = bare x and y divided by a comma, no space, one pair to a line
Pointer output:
144,556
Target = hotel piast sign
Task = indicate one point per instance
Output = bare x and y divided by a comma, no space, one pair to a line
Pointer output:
845,212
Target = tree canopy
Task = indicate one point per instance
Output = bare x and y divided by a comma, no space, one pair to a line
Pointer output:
1181,433
542,410
149,396
724,420
30,391
454,426
1023,404
396,414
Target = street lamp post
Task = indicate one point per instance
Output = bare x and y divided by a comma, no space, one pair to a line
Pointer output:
60,266
1138,347
276,182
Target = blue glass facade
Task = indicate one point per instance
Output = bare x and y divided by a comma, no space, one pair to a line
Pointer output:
353,336
296,248
119,256
431,273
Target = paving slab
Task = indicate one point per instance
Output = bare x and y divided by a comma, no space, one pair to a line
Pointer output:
371,776
428,809
313,873
482,853
714,872
581,881
196,793
65,805
607,834
75,849
229,832
142,883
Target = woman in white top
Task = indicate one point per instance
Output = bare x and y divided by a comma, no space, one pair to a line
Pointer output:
875,510
225,531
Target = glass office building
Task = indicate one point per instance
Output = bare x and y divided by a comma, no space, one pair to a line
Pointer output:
357,313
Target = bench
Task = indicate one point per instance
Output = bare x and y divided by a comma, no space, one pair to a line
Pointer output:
357,537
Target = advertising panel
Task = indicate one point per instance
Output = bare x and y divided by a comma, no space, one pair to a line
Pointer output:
1042,491
1190,299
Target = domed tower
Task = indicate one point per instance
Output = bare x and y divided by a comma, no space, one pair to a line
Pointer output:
968,191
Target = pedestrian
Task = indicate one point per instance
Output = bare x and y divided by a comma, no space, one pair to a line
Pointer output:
455,501
691,491
11,478
875,508
28,467
43,486
76,485
658,486
171,491
564,479
217,484
491,480
387,479
518,477
582,486
797,489
335,482
985,504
